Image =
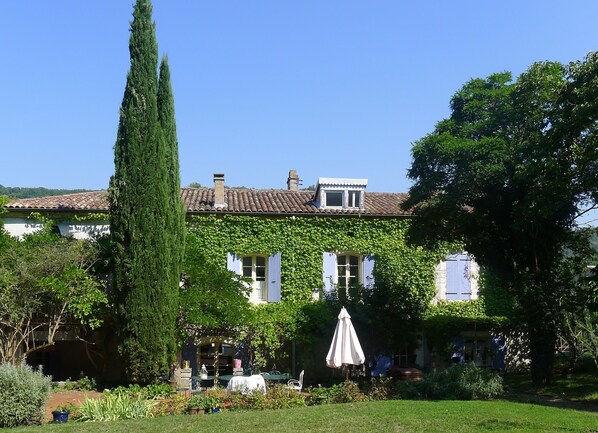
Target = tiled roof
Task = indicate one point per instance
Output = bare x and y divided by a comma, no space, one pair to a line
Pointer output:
240,201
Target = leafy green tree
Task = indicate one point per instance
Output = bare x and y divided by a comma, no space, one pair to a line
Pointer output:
508,173
46,283
214,301
144,215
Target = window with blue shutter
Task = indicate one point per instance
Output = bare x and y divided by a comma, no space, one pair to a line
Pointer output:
262,271
458,277
498,348
274,277
233,263
368,271
458,350
329,272
342,271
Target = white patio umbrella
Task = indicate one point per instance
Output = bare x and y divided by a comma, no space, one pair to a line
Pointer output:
345,347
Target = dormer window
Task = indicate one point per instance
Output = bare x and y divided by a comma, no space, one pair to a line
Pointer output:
354,199
339,193
334,199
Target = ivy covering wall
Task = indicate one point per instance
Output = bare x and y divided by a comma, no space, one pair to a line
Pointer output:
302,240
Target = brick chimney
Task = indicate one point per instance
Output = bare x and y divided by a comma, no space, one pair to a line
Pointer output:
219,190
293,181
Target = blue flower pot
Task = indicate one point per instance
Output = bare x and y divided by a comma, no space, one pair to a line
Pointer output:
60,416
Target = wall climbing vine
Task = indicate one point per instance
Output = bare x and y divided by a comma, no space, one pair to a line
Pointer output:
302,240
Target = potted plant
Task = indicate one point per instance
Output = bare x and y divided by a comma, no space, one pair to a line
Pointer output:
210,403
194,404
61,413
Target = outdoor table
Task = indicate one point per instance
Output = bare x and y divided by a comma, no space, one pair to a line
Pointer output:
246,384
224,378
278,378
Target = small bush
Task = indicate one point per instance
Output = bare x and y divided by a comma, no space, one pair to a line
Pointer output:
173,405
278,397
458,382
114,407
87,384
146,392
586,364
345,392
24,394
382,388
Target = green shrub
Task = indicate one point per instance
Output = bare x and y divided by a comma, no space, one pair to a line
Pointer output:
205,401
87,384
24,394
382,388
114,407
278,397
345,392
458,382
173,405
146,392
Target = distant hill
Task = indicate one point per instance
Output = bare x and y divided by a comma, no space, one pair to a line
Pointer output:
19,192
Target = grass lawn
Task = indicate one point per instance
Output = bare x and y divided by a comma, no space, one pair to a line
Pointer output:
402,416
577,387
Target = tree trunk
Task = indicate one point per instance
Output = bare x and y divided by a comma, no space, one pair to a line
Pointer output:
542,339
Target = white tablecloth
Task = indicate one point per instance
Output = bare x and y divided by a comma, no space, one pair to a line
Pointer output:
246,384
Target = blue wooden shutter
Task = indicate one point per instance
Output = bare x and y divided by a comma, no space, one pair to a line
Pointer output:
233,263
367,271
274,278
329,271
458,277
497,348
458,350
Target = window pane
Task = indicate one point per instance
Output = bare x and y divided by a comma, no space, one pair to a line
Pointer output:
334,198
342,281
247,261
260,261
342,260
260,273
354,198
353,260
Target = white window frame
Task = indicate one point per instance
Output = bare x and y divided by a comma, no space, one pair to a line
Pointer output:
259,292
365,276
334,191
347,256
351,198
351,202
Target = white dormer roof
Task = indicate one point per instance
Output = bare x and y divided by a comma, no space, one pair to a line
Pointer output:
351,190
342,181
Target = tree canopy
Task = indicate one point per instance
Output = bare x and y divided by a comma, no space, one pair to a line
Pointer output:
509,173
46,283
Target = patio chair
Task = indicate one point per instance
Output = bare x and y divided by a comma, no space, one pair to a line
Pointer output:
296,385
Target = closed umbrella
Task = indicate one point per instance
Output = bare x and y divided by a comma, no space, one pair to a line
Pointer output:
345,347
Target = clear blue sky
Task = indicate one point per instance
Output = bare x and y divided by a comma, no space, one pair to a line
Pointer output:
330,88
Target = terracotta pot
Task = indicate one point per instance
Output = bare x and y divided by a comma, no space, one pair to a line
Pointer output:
193,410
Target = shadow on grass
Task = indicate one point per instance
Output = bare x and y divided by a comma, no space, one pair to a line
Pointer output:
576,391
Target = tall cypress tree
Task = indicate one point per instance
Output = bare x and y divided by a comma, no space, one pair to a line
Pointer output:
175,224
141,214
